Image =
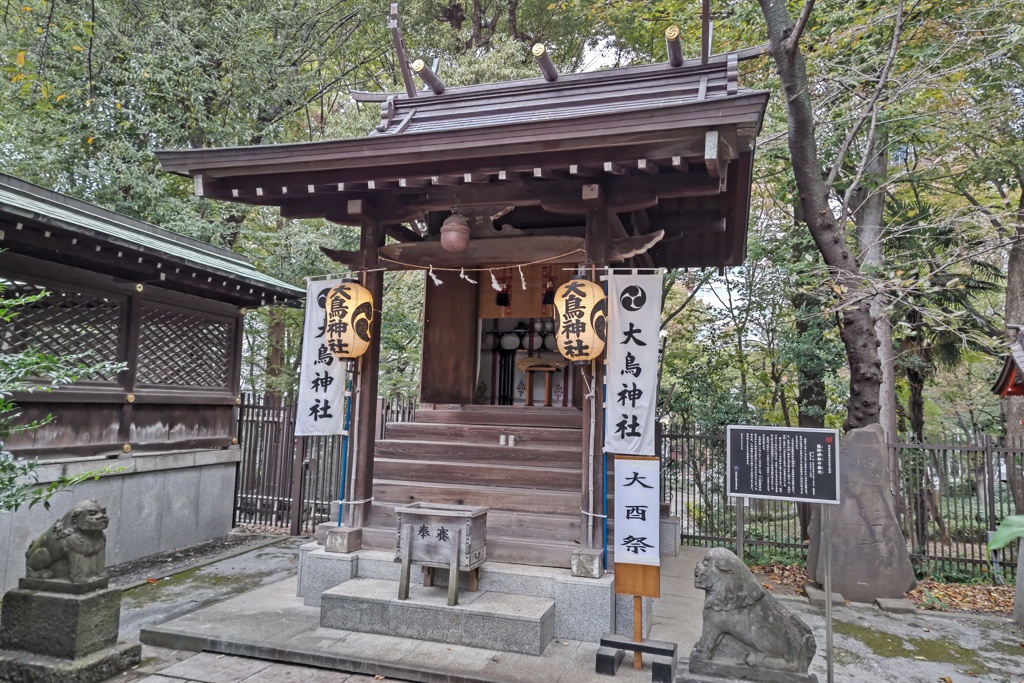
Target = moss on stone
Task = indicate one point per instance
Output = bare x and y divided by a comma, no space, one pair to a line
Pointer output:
942,650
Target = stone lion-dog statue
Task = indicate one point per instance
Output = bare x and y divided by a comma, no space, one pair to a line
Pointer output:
73,549
736,605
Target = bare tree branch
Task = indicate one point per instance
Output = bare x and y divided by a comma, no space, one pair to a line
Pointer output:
801,23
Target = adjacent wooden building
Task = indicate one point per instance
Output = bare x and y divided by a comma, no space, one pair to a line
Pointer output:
644,167
170,308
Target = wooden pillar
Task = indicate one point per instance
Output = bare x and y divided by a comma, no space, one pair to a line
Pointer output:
236,376
130,355
598,226
369,365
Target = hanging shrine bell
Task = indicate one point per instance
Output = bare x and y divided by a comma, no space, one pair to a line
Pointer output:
581,313
349,310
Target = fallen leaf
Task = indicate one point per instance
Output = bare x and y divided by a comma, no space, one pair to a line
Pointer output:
378,677
921,658
152,580
945,679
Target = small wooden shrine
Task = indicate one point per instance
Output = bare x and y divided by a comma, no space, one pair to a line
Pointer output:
644,167
1011,378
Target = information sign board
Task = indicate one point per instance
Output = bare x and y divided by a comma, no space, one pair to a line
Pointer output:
783,463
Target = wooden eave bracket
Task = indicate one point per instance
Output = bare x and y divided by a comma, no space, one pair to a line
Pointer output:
719,150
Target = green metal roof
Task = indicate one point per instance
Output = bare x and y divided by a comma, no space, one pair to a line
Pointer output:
29,202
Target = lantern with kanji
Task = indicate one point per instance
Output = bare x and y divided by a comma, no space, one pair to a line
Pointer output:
349,310
581,312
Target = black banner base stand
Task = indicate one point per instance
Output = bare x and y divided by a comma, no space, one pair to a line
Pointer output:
613,650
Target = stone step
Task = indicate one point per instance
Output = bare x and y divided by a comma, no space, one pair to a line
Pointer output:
485,619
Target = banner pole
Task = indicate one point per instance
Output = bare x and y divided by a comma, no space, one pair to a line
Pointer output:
638,629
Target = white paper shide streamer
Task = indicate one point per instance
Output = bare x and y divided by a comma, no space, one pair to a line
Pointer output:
322,376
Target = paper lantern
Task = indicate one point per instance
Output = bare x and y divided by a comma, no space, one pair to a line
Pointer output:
581,312
349,310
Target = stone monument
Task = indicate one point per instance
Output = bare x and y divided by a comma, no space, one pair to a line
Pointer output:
747,634
869,553
61,622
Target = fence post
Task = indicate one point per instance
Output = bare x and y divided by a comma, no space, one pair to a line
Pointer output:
298,467
990,474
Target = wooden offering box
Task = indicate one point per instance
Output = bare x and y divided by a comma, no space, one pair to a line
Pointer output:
433,526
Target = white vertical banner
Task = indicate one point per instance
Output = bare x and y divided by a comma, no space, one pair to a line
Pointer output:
322,376
634,319
637,498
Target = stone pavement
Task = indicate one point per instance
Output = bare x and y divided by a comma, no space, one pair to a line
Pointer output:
270,623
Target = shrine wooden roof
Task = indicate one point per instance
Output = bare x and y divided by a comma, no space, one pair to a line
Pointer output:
42,224
671,147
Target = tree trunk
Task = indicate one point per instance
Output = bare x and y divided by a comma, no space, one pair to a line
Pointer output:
858,326
1013,406
811,399
869,205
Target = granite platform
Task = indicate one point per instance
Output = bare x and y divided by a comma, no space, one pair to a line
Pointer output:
584,608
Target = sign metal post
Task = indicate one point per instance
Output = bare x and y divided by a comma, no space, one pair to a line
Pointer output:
794,464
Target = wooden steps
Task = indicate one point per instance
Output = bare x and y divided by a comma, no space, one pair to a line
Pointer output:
501,523
499,549
502,498
504,415
463,474
522,463
484,435
440,451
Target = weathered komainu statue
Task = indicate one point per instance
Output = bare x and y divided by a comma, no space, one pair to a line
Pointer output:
747,633
73,549
61,622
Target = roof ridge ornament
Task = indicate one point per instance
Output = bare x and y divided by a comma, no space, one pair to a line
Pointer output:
674,45
400,51
427,75
547,66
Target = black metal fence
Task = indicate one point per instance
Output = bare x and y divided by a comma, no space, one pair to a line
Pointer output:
280,474
950,496
693,483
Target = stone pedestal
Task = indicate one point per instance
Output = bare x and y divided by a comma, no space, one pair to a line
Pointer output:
46,636
60,624
343,539
587,563
869,553
669,536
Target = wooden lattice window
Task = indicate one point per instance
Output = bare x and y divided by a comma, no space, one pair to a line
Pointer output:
183,349
63,323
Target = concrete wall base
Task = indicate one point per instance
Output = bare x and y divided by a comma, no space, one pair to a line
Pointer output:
156,502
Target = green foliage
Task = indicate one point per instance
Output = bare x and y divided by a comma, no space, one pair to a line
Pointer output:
92,88
1010,528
